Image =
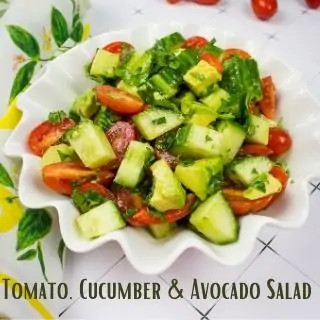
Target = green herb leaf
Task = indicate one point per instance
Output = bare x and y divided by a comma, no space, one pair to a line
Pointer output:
76,34
208,138
33,226
61,249
260,183
129,213
105,118
85,201
165,142
28,255
5,178
57,116
22,78
24,40
187,161
59,27
215,183
63,156
158,121
41,261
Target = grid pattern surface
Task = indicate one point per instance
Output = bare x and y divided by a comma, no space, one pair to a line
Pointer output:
286,256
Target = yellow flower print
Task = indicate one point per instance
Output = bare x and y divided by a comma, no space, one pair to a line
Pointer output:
10,210
11,118
86,32
47,43
17,59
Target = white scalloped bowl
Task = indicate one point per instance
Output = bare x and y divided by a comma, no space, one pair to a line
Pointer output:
64,80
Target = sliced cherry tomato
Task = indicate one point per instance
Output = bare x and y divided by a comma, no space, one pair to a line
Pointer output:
280,141
119,100
279,173
168,157
100,189
255,150
127,200
173,1
212,60
143,218
206,2
228,53
47,134
264,9
120,135
117,47
195,42
313,4
178,214
269,101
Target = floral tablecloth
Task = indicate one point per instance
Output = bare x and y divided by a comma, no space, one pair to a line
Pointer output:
32,33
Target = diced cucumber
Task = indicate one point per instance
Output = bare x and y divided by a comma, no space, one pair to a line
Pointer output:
197,141
86,104
130,89
167,191
170,42
197,176
186,59
245,170
154,122
201,78
211,48
201,114
58,153
91,145
233,135
100,221
167,82
186,100
105,118
162,230
132,167
215,220
261,130
264,185
104,64
215,99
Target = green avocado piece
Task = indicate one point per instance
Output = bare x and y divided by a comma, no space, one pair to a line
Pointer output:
104,64
86,104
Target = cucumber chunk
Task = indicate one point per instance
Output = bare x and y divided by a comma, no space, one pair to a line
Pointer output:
233,136
261,130
86,104
215,220
154,122
104,64
201,114
245,170
196,141
170,42
100,221
133,165
167,192
216,98
59,153
162,230
186,58
91,145
197,177
127,88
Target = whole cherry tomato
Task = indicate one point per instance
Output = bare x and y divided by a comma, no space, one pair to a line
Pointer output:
313,4
264,9
195,42
280,141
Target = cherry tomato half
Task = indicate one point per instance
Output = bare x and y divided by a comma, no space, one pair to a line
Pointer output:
173,1
143,218
313,4
255,150
206,2
279,173
98,188
280,141
264,9
118,100
228,53
175,215
268,103
47,134
195,42
212,60
117,47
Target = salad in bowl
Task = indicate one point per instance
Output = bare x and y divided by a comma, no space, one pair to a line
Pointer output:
181,135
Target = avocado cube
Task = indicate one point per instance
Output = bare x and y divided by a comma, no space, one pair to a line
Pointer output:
202,114
104,64
215,99
201,77
86,104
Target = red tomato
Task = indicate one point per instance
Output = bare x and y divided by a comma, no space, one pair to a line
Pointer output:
168,157
117,47
269,101
195,42
127,200
228,53
60,176
279,173
175,215
255,150
280,141
120,135
212,60
206,2
253,108
47,134
100,189
118,100
264,9
143,218
313,4
173,1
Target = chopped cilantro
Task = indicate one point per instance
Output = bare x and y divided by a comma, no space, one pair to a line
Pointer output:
260,183
254,171
208,138
63,156
161,120
57,116
187,162
129,213
85,201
